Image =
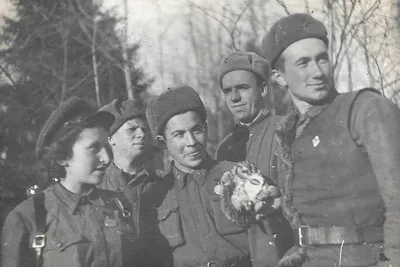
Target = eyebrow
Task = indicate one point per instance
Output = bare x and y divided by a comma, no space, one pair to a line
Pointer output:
237,85
191,129
302,59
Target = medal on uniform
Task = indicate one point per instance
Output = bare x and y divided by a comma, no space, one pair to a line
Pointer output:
316,141
218,189
110,223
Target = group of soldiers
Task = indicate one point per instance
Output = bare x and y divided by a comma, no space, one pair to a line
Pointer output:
335,159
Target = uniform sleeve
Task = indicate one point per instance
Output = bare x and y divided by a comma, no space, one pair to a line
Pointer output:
375,126
15,247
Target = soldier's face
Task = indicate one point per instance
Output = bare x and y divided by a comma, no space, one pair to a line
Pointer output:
307,71
131,140
185,136
89,158
243,92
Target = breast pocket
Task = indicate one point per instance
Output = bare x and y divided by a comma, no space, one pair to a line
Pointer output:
169,223
223,224
67,250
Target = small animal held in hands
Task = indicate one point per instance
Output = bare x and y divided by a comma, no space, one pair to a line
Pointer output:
242,188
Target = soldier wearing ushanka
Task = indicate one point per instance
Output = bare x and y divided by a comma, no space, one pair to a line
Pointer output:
243,79
340,155
190,215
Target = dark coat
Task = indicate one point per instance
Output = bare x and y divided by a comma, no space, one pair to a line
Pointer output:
138,189
256,143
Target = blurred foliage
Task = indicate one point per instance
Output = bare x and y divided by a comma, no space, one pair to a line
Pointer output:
47,57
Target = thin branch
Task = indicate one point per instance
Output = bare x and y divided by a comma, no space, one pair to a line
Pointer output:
391,83
231,34
282,4
352,32
8,76
343,34
240,16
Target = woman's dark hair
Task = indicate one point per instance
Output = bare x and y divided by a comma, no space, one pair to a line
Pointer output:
60,147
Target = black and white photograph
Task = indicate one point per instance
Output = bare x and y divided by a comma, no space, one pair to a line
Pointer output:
200,133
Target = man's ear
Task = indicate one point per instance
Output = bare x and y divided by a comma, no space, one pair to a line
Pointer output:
111,140
160,139
63,163
264,89
278,77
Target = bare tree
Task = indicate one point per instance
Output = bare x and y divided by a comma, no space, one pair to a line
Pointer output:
94,62
127,71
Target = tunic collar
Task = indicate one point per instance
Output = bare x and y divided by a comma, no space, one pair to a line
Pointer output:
128,179
73,201
260,117
183,178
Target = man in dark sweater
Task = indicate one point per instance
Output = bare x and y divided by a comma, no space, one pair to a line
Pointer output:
243,79
190,215
131,148
340,156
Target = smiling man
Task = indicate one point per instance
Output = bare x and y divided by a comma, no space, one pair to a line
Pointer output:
130,144
340,155
190,215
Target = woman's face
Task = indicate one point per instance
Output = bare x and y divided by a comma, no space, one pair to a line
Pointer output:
89,159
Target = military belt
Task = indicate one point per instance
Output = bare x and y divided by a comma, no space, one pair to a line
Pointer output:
312,236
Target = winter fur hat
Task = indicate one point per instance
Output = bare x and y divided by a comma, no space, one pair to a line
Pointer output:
176,100
248,61
124,111
288,30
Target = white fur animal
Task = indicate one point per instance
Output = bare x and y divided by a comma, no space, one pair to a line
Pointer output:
242,188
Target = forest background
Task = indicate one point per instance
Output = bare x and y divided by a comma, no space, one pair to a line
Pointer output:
135,49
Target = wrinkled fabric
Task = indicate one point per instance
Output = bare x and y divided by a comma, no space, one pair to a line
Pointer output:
191,218
138,189
255,142
346,173
76,232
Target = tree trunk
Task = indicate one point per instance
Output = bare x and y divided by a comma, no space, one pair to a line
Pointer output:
127,71
94,62
65,65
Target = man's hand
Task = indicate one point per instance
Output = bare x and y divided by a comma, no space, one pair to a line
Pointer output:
266,207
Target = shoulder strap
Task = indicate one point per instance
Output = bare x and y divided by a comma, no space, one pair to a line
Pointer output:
39,240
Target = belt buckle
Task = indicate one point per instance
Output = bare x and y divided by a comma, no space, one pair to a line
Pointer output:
38,241
303,235
212,264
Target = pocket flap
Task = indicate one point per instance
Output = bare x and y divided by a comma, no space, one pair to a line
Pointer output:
164,213
63,242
